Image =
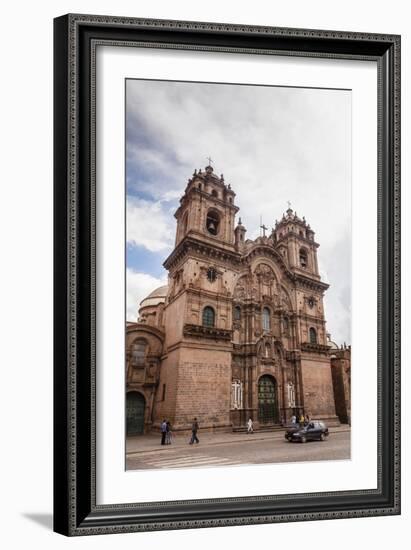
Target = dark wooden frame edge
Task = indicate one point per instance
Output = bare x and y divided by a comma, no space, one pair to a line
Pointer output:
75,509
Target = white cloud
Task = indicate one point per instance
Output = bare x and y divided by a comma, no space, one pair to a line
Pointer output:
336,271
149,225
139,285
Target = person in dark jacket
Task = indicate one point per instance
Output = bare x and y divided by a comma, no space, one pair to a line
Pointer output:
194,430
163,429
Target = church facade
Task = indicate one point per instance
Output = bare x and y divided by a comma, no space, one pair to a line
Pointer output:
239,332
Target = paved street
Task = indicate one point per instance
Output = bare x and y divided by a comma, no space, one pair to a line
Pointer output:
246,449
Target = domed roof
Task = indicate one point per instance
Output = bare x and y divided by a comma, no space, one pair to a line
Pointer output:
158,296
160,291
330,343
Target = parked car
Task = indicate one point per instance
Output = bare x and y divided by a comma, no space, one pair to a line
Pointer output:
313,430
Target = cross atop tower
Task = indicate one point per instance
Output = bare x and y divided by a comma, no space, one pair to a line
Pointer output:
210,160
262,226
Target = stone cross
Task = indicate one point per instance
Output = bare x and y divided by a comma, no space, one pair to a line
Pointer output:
264,228
210,160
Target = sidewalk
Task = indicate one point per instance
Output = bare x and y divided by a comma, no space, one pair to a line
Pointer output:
151,442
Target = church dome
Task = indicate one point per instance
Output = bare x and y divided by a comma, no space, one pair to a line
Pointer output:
158,296
330,343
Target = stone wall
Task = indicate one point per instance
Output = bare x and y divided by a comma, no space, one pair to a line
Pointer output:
340,369
318,388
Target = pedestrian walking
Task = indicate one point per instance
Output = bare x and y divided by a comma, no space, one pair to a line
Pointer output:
301,419
163,429
293,419
168,433
250,428
194,429
306,420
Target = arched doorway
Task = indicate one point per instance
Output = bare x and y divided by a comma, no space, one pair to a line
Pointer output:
267,400
136,405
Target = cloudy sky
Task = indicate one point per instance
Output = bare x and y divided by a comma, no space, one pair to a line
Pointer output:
273,145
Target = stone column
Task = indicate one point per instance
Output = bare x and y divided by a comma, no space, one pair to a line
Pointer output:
299,390
246,389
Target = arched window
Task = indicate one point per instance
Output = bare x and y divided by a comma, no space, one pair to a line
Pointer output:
212,222
138,352
303,258
214,193
208,317
266,319
313,336
237,313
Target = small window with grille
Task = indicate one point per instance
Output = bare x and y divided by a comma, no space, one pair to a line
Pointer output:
266,319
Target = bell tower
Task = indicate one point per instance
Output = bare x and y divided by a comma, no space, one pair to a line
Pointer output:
198,308
294,239
207,209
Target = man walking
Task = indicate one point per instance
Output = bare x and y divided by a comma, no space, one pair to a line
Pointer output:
194,430
250,428
163,428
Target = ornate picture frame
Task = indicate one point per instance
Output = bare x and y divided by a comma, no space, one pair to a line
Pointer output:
76,38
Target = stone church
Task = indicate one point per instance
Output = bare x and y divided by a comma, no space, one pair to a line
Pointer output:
239,331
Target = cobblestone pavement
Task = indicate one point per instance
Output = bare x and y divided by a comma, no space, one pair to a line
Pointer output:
269,449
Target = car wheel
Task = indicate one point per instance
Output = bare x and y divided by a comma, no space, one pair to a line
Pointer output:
322,437
303,439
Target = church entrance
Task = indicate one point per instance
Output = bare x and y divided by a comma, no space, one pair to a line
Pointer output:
136,405
267,400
